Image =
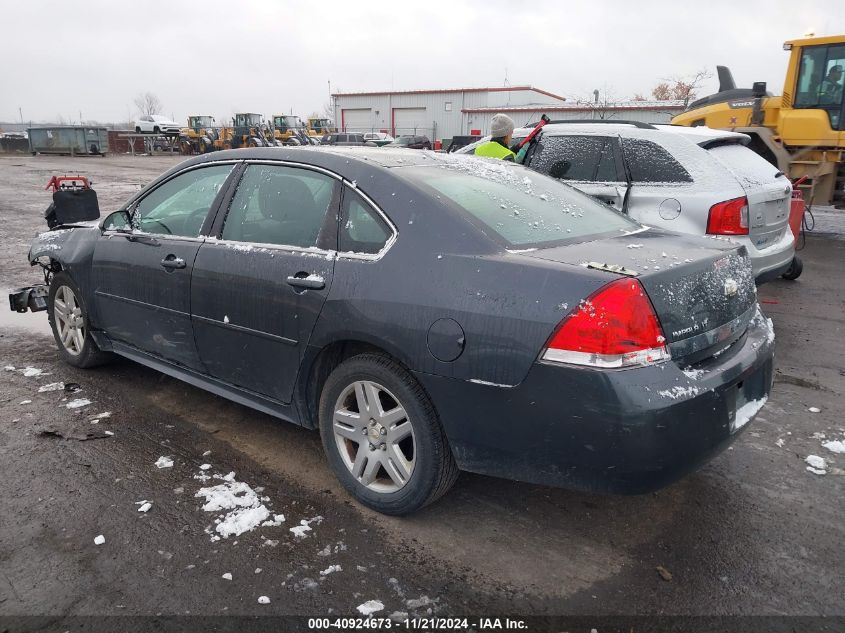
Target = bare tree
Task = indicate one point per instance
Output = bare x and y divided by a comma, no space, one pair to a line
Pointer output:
680,88
147,103
601,104
328,110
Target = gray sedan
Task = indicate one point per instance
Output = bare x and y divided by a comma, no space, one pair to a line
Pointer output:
427,313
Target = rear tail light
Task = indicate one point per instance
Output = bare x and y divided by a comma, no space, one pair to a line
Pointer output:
729,217
615,327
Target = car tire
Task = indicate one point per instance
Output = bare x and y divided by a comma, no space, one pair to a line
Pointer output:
156,130
408,442
70,324
795,269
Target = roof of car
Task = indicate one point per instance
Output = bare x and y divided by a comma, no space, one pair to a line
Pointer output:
699,135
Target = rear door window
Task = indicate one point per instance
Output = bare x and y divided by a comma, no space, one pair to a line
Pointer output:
280,205
362,229
650,163
576,158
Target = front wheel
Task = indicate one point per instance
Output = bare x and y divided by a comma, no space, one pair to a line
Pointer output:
382,437
69,322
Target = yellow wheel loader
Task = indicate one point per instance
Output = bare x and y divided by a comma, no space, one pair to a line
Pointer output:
200,135
802,132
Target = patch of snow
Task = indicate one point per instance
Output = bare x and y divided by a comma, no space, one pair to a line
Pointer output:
635,245
101,416
300,531
748,411
372,606
78,403
30,372
422,601
263,600
242,508
478,381
225,318
814,410
53,386
109,433
205,466
330,570
780,442
206,453
99,540
276,521
9,368
257,570
164,462
835,446
693,374
816,465
226,576
144,506
679,391
25,402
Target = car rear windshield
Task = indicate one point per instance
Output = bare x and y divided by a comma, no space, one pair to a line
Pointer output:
519,208
752,170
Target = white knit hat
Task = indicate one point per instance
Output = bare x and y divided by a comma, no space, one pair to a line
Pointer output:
501,125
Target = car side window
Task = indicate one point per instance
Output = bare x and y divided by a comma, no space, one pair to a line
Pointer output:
180,205
570,157
281,205
362,230
648,162
606,170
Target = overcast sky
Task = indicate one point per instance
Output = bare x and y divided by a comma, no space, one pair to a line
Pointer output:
213,57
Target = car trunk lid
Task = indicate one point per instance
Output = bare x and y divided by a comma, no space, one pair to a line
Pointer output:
768,192
702,289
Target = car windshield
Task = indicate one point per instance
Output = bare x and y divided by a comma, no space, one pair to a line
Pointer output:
404,140
519,208
200,121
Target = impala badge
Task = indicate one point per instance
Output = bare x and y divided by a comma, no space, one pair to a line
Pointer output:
731,288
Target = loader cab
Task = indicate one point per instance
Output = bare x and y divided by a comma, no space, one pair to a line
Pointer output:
247,120
287,123
819,85
198,123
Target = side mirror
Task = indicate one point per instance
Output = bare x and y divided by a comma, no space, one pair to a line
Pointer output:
758,89
117,221
559,169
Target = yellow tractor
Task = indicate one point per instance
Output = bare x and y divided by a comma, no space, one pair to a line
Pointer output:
318,126
200,135
802,132
248,130
287,126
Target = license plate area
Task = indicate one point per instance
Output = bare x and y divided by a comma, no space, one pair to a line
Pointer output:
750,389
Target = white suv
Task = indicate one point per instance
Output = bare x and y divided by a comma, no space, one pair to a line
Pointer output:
157,124
689,180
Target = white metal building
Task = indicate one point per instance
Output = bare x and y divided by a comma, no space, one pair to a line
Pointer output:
442,114
437,114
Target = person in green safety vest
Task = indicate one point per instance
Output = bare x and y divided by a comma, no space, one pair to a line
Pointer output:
501,130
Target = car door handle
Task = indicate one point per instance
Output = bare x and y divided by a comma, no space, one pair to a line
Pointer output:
172,262
304,280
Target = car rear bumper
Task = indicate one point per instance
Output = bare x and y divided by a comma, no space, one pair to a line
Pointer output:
623,431
770,263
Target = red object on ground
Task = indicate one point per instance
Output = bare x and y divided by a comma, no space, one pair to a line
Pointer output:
773,302
438,145
796,211
56,182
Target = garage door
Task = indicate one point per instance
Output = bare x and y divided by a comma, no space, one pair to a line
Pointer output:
411,121
357,119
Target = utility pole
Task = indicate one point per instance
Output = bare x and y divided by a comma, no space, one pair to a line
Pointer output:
20,114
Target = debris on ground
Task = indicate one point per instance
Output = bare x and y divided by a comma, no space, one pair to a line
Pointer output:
99,540
81,437
816,465
78,403
370,607
144,506
263,600
814,410
330,570
665,574
227,576
53,386
164,462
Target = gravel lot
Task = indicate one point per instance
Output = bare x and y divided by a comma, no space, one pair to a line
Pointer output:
752,533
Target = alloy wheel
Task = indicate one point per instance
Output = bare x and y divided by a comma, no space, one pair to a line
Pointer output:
374,436
70,324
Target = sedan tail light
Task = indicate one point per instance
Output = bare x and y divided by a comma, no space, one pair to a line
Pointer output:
615,327
729,217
